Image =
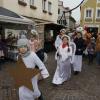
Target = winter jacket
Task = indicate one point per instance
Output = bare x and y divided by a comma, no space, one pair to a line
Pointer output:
97,48
80,45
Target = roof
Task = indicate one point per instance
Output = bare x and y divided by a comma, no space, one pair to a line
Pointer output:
12,17
6,12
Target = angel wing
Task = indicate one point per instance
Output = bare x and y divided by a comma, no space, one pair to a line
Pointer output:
72,44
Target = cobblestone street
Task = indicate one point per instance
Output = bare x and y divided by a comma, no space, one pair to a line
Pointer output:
85,86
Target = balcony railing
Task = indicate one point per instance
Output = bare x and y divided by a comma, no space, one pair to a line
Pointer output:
98,19
88,19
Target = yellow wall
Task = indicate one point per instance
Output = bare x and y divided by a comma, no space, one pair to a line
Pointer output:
1,3
89,4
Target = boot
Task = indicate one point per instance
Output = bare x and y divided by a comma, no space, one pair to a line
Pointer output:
76,72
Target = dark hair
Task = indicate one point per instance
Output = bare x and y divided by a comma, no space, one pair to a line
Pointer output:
68,47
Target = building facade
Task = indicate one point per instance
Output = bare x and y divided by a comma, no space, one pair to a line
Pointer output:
67,20
90,15
44,13
39,10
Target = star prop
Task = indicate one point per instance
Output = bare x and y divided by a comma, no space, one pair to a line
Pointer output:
22,75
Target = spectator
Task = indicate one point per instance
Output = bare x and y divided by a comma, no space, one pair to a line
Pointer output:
91,50
97,49
80,47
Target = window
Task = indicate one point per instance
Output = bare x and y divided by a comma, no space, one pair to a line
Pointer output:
58,11
49,7
98,13
89,13
32,5
31,2
44,5
98,1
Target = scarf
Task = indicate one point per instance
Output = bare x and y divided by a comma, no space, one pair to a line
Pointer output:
64,45
26,54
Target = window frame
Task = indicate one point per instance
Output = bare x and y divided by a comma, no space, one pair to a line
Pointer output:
32,5
58,11
50,7
44,6
91,13
98,1
32,2
98,8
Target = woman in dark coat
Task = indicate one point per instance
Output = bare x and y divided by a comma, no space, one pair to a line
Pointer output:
80,47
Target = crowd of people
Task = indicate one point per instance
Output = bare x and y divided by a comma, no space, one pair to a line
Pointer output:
70,51
69,54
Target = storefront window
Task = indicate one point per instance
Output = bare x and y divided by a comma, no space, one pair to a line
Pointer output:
49,35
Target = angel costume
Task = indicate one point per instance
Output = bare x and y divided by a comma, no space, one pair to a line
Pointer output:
63,70
30,59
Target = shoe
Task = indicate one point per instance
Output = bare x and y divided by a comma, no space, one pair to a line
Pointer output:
76,72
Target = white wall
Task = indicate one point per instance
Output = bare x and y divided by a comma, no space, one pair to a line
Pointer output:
35,13
0,2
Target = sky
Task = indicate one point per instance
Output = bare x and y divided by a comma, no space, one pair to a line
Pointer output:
71,4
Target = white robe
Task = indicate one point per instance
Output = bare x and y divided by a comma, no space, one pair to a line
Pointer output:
31,61
77,64
63,70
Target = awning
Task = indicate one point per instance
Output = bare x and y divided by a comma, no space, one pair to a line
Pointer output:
11,17
52,24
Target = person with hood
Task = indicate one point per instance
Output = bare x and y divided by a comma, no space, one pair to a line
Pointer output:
30,60
58,40
36,44
63,57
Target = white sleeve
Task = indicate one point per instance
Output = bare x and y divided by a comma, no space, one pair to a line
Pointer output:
41,66
37,61
70,52
57,42
56,54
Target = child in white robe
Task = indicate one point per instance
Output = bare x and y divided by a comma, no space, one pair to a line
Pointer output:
63,57
30,59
